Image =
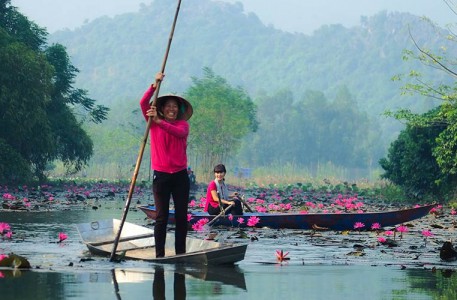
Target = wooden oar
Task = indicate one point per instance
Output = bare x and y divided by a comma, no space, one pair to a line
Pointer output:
245,203
222,213
143,145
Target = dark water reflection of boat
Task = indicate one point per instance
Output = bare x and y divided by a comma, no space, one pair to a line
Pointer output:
155,282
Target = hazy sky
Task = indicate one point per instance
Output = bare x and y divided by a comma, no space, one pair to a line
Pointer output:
289,15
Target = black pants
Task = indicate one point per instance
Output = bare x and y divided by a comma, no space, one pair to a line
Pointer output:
234,210
165,186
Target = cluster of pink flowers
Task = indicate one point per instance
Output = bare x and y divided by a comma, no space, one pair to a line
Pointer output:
348,204
8,196
278,207
402,229
5,230
200,224
252,221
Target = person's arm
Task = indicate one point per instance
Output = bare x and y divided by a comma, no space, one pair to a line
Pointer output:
179,129
146,108
216,198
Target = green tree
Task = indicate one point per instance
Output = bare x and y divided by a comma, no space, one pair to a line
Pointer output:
41,113
223,115
411,165
443,120
311,131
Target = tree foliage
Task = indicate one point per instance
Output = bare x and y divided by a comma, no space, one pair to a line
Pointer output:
38,103
223,115
311,131
430,139
411,165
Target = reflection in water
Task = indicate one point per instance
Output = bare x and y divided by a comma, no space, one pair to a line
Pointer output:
264,282
158,286
116,285
171,279
227,275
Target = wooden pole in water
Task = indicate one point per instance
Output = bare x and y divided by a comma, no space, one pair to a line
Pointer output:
143,145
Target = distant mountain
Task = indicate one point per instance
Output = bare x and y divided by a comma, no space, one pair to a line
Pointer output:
118,57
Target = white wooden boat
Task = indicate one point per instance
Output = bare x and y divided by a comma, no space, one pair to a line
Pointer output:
137,242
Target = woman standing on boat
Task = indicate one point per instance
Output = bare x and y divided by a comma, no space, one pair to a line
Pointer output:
169,131
217,195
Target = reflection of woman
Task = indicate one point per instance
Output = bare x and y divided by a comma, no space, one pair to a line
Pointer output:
217,195
158,285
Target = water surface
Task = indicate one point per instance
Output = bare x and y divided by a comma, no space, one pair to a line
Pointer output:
60,270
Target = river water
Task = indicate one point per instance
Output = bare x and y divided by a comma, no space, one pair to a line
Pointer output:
317,269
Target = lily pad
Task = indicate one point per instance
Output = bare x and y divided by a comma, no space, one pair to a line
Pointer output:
15,261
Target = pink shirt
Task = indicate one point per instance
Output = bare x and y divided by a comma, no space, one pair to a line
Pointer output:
209,198
168,140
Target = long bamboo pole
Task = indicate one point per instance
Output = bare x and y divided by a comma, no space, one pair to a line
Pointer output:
145,139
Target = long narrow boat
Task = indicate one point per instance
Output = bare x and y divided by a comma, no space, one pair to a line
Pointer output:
137,242
331,221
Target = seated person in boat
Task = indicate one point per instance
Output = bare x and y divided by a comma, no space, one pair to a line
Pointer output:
217,196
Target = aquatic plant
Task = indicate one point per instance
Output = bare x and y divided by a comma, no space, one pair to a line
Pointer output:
358,225
252,221
426,234
375,226
281,256
62,237
402,229
200,224
4,227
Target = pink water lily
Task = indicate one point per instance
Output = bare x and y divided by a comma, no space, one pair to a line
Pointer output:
252,221
4,227
381,239
281,256
8,196
240,220
426,233
2,256
358,225
230,217
402,229
199,225
375,226
189,217
260,209
62,237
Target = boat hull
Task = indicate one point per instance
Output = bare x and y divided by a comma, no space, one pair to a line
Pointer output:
332,221
137,242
